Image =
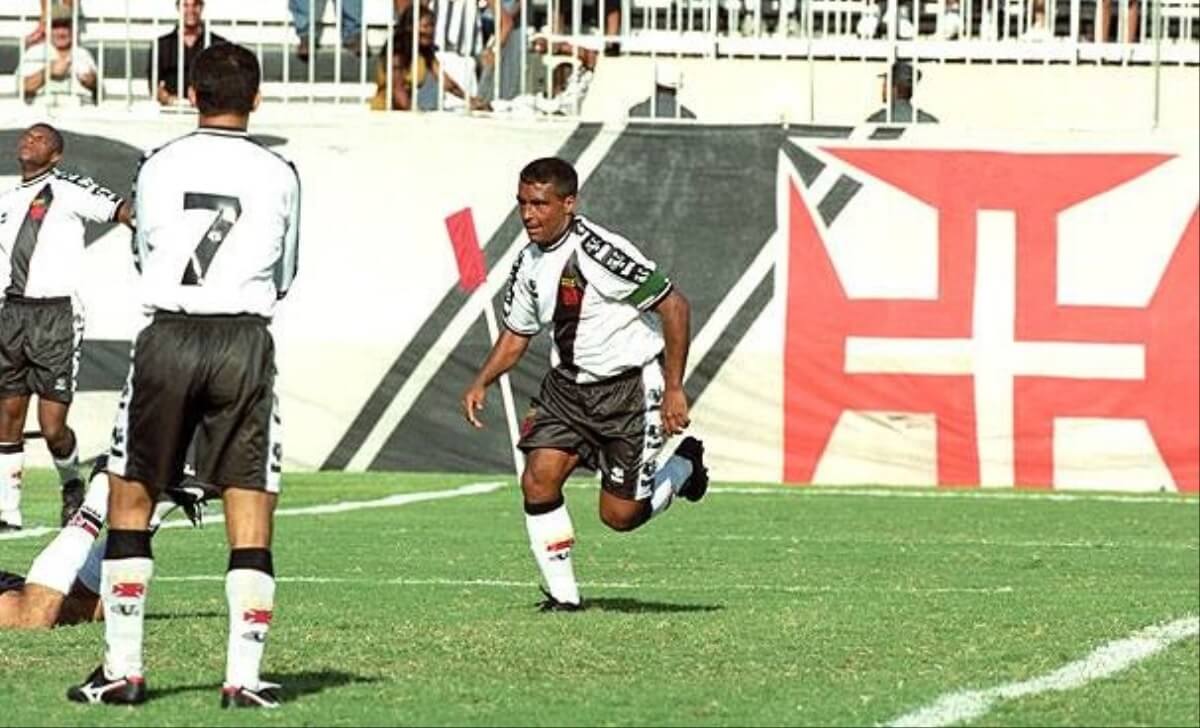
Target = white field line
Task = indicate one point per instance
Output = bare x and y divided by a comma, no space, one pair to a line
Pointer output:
400,499
533,585
1104,661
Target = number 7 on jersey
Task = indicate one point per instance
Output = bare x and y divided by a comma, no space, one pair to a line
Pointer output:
228,210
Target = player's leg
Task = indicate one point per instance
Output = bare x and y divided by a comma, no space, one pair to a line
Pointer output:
54,349
33,606
635,488
548,523
12,457
64,449
250,592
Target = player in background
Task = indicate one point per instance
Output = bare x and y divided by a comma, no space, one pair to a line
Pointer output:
63,584
614,393
41,317
217,237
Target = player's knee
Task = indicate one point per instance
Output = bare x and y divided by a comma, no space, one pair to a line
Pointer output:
58,438
626,516
537,489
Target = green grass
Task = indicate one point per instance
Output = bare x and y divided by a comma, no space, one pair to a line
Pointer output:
779,609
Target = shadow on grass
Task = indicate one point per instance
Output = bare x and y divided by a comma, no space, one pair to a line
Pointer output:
295,684
167,617
634,606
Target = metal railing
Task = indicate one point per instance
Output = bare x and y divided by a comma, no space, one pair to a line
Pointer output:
556,44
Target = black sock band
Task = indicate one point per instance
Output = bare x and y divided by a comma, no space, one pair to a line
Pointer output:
537,509
12,448
127,545
256,559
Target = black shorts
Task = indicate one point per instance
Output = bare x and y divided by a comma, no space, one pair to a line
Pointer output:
615,426
215,373
39,347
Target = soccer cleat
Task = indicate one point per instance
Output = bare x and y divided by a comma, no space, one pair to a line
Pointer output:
264,697
11,582
5,526
192,496
697,484
99,688
72,498
550,604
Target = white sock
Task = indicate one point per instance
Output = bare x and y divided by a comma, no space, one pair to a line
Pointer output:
551,537
68,467
123,586
667,482
89,573
251,597
12,460
58,564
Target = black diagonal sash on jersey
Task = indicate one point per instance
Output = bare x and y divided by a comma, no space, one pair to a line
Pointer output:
571,288
27,238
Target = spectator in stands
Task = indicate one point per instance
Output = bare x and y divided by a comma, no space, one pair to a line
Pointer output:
1110,30
72,68
306,16
39,32
900,96
427,67
668,79
165,84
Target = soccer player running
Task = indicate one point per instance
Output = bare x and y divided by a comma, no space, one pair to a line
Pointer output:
614,393
41,317
217,235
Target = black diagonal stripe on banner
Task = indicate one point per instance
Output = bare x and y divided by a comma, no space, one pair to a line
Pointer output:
27,239
402,368
839,196
700,202
706,370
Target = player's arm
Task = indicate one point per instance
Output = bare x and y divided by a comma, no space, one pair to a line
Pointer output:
124,214
505,354
289,259
676,315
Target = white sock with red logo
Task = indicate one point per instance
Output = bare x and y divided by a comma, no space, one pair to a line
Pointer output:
250,592
57,565
12,460
124,581
551,536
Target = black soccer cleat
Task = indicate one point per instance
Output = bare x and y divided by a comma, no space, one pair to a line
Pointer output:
6,527
264,697
99,688
550,604
72,499
697,484
11,582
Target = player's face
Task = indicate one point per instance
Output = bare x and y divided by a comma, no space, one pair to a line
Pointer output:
36,149
543,212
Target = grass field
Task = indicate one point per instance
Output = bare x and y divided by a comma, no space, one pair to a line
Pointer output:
759,606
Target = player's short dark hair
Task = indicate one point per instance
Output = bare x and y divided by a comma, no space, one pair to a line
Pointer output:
226,77
555,171
60,144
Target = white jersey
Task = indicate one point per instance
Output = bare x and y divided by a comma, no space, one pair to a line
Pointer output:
596,288
42,232
218,221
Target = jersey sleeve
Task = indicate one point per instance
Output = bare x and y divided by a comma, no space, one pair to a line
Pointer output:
619,271
520,308
289,259
92,200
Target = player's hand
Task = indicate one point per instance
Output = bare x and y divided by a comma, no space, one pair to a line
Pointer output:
675,411
472,401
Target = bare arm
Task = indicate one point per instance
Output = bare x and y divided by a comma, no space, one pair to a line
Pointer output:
505,354
675,312
125,214
34,83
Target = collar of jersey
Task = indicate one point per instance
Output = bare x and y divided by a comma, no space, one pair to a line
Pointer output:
40,178
222,131
562,238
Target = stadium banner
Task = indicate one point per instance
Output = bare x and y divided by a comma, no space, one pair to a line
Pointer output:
871,305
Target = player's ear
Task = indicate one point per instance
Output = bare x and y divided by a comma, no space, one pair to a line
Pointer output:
569,203
257,100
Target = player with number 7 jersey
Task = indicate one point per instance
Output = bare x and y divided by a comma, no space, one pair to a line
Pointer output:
217,219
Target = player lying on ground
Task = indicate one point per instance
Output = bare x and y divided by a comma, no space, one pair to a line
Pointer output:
63,584
614,393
